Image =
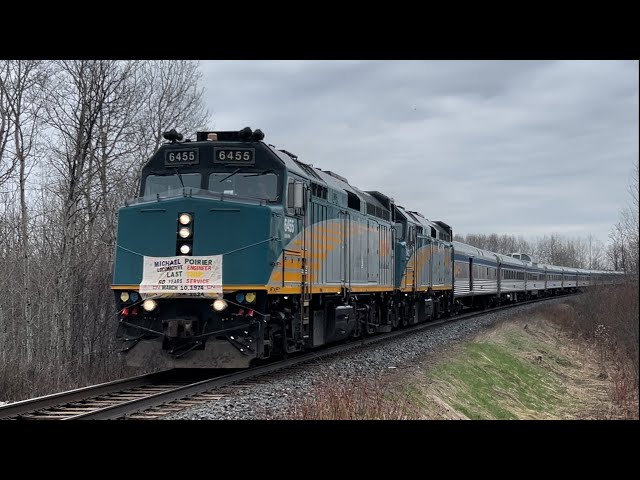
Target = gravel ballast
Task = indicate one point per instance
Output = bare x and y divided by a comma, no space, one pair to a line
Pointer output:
274,397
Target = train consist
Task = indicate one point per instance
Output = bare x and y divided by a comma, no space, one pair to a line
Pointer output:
236,251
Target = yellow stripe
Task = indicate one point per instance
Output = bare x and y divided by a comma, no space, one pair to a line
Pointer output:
125,287
295,290
442,287
371,289
424,289
226,288
233,288
278,290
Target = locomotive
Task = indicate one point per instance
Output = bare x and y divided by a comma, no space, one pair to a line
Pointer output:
236,251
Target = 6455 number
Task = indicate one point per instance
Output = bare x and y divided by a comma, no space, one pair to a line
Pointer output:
244,156
181,157
234,156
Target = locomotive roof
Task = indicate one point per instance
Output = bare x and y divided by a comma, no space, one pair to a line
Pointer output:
288,161
414,217
322,177
441,227
369,198
326,178
334,182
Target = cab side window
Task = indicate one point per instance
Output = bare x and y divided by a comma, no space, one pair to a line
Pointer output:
295,197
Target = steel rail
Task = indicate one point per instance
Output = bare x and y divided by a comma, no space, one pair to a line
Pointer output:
103,393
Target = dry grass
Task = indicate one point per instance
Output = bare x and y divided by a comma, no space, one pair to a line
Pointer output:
363,399
19,381
607,322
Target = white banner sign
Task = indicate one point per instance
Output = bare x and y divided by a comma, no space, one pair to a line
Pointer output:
182,276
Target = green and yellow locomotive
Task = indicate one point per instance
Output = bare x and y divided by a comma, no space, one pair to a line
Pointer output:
236,251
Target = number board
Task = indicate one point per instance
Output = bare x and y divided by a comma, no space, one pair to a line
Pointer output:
234,156
174,158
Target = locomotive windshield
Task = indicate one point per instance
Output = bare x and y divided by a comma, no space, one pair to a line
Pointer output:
263,186
255,185
171,185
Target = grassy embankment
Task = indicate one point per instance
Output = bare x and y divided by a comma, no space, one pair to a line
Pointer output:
570,360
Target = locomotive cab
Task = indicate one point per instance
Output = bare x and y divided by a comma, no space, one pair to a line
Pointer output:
234,169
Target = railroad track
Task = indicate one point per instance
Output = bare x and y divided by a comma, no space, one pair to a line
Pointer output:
156,395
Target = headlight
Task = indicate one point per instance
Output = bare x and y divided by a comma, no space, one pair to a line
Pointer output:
149,305
185,232
185,219
250,297
185,249
240,297
133,297
219,305
124,296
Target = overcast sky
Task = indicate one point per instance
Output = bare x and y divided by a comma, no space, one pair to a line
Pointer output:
520,147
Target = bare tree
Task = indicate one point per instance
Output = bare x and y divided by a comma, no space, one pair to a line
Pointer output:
172,98
7,98
623,252
101,122
629,221
21,85
595,253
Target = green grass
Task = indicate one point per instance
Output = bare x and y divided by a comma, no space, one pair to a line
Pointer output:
525,341
491,381
414,395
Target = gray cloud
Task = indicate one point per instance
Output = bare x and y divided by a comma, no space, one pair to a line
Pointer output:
523,147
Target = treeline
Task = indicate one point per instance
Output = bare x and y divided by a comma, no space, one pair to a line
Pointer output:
553,249
73,138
